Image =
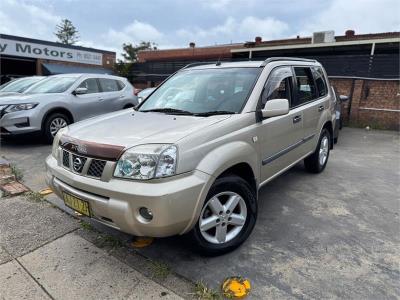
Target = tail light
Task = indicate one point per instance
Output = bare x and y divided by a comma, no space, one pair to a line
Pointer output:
136,91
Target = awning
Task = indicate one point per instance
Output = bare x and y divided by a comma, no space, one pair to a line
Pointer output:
52,69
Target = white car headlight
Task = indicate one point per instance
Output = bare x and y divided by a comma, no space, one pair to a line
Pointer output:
56,141
22,106
147,162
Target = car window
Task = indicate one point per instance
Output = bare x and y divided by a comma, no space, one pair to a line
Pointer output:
91,85
320,81
306,90
205,90
52,85
108,85
19,85
278,85
120,84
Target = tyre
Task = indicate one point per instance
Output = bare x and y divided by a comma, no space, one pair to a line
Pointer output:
317,161
53,124
227,217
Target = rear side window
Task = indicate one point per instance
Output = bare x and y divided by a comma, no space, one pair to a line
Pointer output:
121,85
320,81
306,90
108,85
279,85
91,85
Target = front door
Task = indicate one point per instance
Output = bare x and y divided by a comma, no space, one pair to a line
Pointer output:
279,137
87,105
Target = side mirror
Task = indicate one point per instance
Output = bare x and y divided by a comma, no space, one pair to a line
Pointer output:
275,107
343,98
80,91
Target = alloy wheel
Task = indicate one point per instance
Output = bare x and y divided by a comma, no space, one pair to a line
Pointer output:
223,217
323,150
56,125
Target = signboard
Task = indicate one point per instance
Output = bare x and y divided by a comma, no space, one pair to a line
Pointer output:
27,49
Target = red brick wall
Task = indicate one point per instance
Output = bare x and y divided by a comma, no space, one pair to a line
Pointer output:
367,99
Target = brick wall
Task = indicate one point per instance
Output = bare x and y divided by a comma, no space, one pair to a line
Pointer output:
374,103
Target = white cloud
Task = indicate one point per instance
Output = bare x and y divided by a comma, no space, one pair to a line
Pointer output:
364,16
134,32
236,30
20,18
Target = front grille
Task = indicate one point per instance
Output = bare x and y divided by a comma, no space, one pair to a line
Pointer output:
78,162
96,168
65,159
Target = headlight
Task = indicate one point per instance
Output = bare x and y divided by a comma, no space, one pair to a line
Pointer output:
18,107
147,162
56,141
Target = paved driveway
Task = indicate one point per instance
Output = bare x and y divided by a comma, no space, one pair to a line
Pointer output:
332,235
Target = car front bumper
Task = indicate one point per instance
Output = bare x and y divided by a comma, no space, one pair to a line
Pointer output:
175,201
20,122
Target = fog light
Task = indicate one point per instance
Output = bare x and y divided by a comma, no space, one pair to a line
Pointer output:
146,213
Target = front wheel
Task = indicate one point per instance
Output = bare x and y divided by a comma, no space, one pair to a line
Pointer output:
53,124
227,217
317,161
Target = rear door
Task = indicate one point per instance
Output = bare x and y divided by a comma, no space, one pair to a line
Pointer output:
111,95
312,96
279,136
87,105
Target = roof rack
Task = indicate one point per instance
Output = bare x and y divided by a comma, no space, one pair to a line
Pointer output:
199,64
272,59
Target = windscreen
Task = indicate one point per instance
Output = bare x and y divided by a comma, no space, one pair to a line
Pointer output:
52,85
19,85
205,90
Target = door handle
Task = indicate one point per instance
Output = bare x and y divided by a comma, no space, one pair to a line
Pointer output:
321,108
296,119
101,98
122,96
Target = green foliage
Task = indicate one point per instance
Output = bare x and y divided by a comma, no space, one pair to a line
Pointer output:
202,292
17,172
130,56
66,32
159,269
34,197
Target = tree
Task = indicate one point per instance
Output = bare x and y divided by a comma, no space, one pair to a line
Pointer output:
131,51
130,56
66,32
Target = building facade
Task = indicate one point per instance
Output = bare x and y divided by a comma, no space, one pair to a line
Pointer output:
20,56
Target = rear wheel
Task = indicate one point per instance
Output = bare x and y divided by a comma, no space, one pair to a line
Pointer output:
317,161
53,124
227,217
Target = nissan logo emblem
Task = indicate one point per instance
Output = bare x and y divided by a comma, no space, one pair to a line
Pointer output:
78,164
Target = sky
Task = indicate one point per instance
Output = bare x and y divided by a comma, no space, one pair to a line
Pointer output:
107,24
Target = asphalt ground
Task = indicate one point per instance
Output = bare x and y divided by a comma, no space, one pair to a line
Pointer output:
331,235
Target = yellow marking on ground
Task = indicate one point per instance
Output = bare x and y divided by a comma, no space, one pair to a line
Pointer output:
45,192
236,287
141,242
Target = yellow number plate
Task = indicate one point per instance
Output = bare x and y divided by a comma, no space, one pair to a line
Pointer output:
77,204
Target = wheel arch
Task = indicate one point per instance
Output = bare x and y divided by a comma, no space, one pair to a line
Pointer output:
329,126
61,110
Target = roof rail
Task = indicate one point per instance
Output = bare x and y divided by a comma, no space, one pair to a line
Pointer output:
198,64
272,59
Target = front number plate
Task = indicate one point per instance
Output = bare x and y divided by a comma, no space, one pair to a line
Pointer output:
76,204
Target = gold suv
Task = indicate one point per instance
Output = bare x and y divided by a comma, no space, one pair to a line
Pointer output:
192,157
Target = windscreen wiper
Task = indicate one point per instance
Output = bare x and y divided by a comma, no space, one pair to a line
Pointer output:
169,110
215,112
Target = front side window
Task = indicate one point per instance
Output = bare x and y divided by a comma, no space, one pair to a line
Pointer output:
91,85
204,90
52,85
279,85
320,81
306,90
108,85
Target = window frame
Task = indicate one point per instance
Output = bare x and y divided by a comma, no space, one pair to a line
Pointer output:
97,82
315,84
101,88
291,91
